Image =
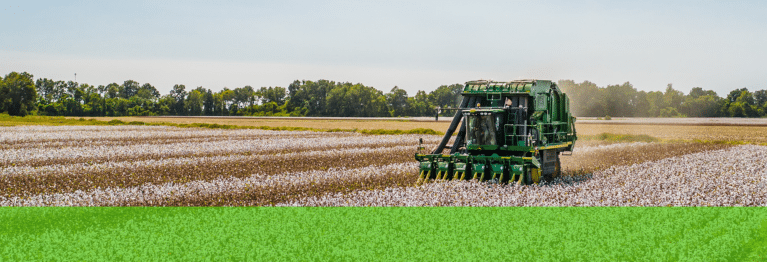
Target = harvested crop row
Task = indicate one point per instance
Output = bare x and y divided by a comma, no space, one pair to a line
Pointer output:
258,189
78,133
59,144
182,170
727,177
44,140
94,154
589,159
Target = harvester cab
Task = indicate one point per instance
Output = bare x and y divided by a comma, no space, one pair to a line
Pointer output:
509,132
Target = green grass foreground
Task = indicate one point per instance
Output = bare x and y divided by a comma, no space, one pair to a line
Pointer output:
381,233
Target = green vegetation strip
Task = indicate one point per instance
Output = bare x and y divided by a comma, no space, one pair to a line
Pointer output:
381,233
6,120
628,138
610,137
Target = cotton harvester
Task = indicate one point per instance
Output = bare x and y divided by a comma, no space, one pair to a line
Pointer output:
510,132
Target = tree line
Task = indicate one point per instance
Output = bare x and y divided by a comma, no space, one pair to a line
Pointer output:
21,94
588,99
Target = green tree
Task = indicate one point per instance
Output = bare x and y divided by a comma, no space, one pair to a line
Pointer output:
129,89
164,106
45,89
620,100
356,100
312,96
703,106
209,103
18,94
701,103
72,106
5,98
419,104
293,90
276,95
397,101
655,100
672,97
643,106
698,92
179,95
670,112
760,98
112,90
446,96
734,94
73,91
94,104
227,100
746,101
244,96
736,110
148,91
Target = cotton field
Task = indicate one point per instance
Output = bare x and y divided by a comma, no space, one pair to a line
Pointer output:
170,166
728,177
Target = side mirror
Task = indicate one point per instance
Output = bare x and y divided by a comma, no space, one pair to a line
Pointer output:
420,144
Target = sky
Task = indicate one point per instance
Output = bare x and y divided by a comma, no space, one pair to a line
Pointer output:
415,45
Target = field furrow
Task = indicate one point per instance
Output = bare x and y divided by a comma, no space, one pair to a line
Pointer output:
259,189
26,134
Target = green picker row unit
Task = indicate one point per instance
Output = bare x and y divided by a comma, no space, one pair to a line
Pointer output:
510,132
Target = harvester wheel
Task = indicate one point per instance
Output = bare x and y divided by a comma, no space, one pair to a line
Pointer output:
557,171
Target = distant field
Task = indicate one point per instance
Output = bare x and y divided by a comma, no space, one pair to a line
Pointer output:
404,124
725,129
746,134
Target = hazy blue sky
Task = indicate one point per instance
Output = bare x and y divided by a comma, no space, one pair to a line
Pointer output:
416,45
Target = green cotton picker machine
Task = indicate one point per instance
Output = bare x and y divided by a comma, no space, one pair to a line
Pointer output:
510,132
